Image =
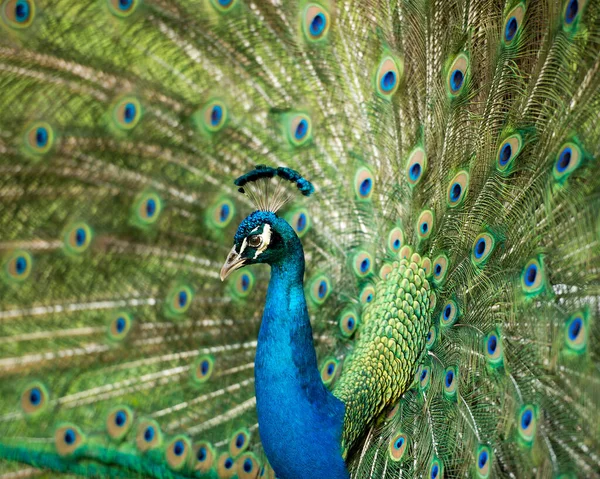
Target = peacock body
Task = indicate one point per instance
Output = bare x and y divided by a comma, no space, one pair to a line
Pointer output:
434,287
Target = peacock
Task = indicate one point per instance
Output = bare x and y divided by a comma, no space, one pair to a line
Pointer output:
300,239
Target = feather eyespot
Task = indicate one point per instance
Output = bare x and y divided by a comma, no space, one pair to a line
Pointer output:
576,332
329,370
567,160
483,464
77,238
221,213
214,116
457,190
431,337
202,369
39,138
457,75
19,13
148,436
225,466
449,314
367,295
348,323
425,224
298,128
416,166
320,289
247,466
363,184
493,349
439,269
127,113
362,264
119,422
527,423
204,456
122,8
34,398
423,377
18,266
300,220
532,278
243,283
512,23
572,11
316,22
180,299
388,77
482,249
67,438
395,240
177,453
239,442
223,6
398,446
147,209
450,382
119,326
436,469
507,152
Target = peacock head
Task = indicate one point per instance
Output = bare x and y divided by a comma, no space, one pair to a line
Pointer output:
264,237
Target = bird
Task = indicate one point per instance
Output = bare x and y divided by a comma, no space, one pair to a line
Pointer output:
300,239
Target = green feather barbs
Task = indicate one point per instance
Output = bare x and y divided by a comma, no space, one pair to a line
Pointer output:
18,13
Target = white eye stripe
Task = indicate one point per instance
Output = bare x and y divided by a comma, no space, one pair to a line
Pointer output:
266,239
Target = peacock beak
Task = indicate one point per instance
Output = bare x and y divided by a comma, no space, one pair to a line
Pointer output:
234,261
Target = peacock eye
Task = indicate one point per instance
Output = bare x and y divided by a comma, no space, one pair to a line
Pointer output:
254,241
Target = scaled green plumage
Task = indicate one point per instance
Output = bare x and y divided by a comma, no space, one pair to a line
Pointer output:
459,136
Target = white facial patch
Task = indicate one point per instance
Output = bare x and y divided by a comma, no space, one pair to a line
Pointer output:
266,239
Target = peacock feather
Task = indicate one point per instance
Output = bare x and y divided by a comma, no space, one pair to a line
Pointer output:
429,210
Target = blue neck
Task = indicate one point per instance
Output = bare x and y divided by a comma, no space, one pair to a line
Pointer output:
300,421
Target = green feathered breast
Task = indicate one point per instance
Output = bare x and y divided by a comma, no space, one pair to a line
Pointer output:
452,245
